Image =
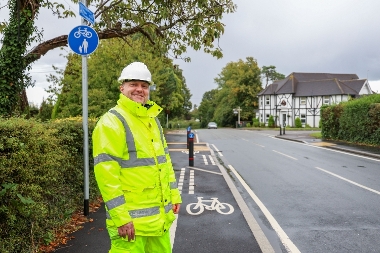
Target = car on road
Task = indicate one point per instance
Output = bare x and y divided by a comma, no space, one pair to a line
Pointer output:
211,125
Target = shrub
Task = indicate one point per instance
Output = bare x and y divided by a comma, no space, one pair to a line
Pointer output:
41,177
270,121
298,123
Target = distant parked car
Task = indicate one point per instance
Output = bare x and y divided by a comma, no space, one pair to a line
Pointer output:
212,125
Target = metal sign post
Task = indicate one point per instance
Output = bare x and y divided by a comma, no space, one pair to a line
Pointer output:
83,40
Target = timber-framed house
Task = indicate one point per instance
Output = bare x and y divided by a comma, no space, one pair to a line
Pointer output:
301,95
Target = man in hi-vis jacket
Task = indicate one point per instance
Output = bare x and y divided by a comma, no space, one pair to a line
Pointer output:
133,169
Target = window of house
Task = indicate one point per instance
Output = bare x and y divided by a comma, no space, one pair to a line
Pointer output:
261,117
267,100
266,118
326,100
303,100
303,118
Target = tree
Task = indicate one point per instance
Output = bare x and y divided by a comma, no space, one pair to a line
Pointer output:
270,74
207,107
168,26
104,67
239,83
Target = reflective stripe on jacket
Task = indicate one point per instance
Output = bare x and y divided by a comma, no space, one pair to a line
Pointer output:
133,168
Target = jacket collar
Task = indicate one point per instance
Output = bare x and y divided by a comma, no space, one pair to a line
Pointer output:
138,109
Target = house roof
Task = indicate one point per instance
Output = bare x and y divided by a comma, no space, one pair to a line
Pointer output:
316,84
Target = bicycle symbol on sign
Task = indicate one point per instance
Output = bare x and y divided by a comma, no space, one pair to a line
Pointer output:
222,208
84,32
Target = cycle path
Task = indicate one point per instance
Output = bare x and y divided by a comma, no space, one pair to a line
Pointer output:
195,230
201,227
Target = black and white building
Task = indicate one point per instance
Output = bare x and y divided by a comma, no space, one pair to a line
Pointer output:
301,95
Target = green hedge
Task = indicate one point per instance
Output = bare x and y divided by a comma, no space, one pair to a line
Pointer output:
357,121
41,179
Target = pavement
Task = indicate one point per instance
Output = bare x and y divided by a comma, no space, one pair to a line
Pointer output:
213,215
304,137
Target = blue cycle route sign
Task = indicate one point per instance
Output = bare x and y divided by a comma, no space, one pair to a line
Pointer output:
86,13
83,40
189,128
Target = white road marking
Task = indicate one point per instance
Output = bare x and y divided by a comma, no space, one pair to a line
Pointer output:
191,182
351,182
288,244
257,232
329,149
217,150
285,155
254,143
205,159
180,181
212,160
212,172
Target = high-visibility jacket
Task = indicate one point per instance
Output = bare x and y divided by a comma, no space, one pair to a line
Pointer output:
133,168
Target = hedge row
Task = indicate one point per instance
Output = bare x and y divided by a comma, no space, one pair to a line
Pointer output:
356,121
41,179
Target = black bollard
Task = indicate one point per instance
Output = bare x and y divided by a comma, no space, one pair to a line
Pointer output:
280,130
191,149
284,130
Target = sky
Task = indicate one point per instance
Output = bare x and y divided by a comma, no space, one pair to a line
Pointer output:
339,36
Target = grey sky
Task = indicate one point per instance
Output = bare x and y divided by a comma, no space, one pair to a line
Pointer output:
338,36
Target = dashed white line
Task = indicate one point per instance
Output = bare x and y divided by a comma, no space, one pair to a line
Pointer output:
205,159
180,180
351,182
212,160
191,182
285,155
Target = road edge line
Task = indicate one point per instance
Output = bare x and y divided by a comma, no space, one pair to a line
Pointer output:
257,232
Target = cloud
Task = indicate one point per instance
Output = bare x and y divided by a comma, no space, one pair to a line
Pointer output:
339,36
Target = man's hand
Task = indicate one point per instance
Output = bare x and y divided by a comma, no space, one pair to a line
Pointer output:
176,208
127,230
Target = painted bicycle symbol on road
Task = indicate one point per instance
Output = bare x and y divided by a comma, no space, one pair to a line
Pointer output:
222,208
83,32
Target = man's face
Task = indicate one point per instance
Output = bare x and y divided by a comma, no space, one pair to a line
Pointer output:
137,91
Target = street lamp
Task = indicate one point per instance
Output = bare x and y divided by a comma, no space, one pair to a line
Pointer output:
237,111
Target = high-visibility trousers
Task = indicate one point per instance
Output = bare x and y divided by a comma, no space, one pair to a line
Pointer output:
141,244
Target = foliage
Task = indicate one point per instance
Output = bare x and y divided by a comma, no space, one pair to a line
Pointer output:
270,74
104,68
238,85
183,124
41,180
207,107
330,120
298,123
45,111
13,65
256,122
357,120
166,26
271,121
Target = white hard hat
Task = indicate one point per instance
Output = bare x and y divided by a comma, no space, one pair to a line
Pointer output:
136,71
